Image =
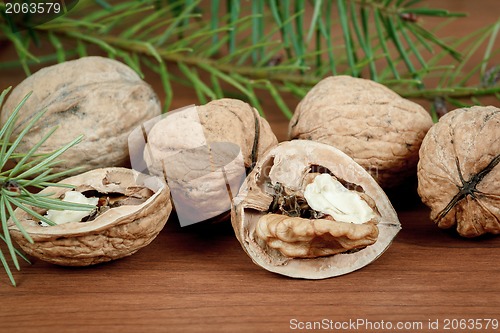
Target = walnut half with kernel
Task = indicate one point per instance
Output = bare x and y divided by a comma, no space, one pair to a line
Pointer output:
132,209
308,210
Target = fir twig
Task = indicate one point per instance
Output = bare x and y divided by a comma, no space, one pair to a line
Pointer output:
31,169
270,41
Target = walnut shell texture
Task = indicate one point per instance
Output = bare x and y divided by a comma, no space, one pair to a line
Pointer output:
98,97
205,150
291,163
232,120
116,233
223,120
459,171
369,122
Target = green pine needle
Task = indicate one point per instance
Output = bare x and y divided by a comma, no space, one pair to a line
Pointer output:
32,169
220,46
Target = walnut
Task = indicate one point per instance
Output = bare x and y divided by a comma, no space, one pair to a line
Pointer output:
204,153
366,120
459,171
307,210
297,237
100,98
132,210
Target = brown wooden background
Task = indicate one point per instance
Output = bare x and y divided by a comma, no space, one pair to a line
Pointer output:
198,279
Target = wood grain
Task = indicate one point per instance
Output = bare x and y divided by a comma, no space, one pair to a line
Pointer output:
198,279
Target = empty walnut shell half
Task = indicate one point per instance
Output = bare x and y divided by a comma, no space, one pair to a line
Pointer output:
307,210
135,209
459,171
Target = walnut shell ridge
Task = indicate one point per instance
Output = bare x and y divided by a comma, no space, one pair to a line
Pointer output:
290,163
378,128
101,98
459,171
116,233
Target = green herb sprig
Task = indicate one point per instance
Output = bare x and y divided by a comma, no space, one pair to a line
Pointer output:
31,170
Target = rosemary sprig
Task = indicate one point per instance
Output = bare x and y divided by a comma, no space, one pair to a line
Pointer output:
31,169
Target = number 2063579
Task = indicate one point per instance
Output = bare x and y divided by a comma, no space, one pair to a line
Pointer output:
33,8
470,324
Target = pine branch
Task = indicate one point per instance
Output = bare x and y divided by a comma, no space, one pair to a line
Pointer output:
31,169
268,46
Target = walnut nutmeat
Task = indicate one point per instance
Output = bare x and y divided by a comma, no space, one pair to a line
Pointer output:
327,195
340,220
297,237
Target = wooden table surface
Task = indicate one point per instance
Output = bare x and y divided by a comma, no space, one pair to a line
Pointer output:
198,279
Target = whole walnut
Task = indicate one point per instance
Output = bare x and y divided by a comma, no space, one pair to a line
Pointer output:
100,98
307,210
366,120
131,210
204,152
459,171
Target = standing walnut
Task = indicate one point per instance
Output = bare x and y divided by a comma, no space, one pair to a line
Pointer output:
459,171
366,120
131,210
308,210
204,153
98,97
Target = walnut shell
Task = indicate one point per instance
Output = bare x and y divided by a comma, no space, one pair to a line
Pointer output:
204,152
366,120
100,98
291,164
116,233
459,171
